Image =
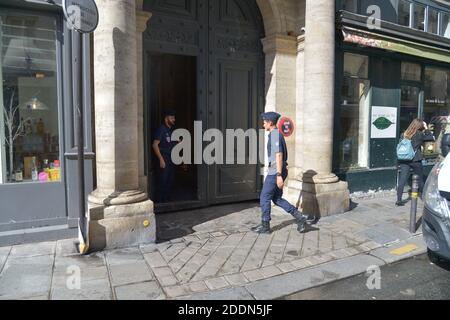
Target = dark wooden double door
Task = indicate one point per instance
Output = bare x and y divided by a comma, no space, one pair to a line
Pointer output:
223,72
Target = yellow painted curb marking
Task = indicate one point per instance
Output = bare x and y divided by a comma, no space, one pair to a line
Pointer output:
404,250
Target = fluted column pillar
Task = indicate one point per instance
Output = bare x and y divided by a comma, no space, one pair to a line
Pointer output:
120,213
320,191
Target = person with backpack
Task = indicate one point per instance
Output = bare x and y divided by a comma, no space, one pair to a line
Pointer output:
410,156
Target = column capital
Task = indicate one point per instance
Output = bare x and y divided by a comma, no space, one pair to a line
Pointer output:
142,18
279,43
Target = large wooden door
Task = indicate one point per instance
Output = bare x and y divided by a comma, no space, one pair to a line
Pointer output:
236,90
225,37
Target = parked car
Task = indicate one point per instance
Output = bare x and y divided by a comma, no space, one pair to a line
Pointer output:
436,216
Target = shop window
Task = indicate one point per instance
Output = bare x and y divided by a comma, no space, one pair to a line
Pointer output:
29,128
404,13
437,104
419,17
409,109
433,18
445,29
354,113
411,71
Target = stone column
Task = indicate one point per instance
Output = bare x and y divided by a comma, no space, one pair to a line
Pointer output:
281,51
322,193
119,212
142,18
294,184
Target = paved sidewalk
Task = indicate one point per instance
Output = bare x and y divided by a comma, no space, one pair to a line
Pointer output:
212,254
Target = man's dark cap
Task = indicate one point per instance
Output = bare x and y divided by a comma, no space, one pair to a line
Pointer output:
271,116
170,113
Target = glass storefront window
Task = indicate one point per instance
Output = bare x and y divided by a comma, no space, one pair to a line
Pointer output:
404,12
354,129
411,71
409,109
437,103
419,17
433,18
356,66
29,127
445,29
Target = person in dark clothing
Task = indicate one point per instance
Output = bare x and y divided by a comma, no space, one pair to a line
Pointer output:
162,147
274,183
418,134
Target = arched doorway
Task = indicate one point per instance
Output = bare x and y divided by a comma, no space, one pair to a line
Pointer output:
205,59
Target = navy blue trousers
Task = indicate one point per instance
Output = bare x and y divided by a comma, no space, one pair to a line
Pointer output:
271,192
166,178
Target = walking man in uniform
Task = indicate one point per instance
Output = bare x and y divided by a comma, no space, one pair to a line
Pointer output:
278,172
162,147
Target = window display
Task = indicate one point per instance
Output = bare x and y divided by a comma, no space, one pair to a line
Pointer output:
354,115
29,127
437,104
411,71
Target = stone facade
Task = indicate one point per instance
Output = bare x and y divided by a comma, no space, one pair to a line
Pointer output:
119,207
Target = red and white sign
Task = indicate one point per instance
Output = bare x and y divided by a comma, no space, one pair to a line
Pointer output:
286,126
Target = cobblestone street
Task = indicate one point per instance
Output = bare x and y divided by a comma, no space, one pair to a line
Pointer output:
207,251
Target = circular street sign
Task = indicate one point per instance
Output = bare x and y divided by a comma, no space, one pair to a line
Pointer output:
286,126
81,15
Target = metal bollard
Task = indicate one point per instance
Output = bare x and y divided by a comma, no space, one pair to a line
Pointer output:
415,197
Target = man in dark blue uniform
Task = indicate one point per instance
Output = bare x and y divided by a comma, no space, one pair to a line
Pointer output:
162,147
278,172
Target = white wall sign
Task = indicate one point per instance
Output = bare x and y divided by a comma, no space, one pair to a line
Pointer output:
384,123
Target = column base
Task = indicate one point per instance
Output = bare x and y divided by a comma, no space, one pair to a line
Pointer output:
120,226
319,199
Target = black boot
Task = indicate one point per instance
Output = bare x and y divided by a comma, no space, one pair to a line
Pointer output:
301,221
263,228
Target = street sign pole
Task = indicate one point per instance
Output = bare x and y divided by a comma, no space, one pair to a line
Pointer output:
82,17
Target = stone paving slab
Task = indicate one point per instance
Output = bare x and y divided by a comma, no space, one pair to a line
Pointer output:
33,249
299,280
212,253
140,291
90,290
4,253
26,277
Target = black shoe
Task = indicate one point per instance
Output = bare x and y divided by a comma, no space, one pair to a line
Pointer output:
301,221
400,203
311,219
263,228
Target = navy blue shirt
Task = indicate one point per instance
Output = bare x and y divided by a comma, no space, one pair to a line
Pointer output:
276,144
164,135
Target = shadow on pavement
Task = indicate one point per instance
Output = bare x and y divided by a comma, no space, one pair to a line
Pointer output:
175,225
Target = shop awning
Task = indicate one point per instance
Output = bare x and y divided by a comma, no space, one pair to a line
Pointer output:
373,40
